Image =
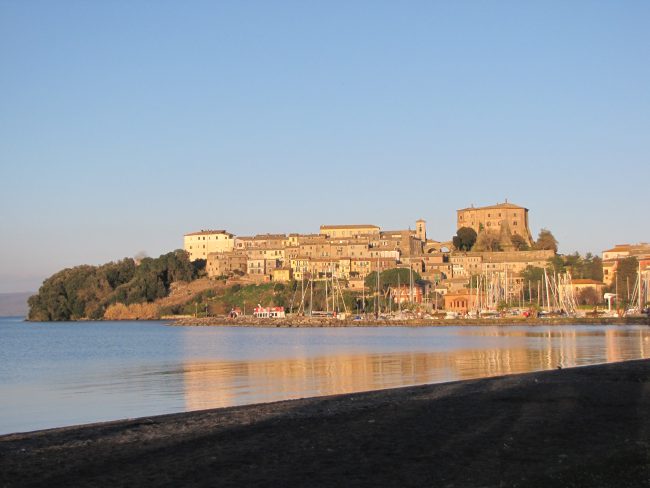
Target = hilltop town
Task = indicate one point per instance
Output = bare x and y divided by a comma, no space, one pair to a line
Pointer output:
491,267
491,253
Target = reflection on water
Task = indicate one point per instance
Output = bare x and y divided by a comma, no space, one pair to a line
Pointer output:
61,374
210,384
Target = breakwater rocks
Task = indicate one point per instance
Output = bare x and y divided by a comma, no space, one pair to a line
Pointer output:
297,321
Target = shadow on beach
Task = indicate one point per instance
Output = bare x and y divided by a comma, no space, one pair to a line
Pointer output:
587,426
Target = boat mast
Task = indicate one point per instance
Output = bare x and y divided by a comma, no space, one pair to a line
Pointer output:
640,287
311,294
327,302
548,296
410,282
302,290
399,294
363,294
377,303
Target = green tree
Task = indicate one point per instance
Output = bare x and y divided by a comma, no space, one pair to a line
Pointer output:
589,296
557,265
546,241
489,241
625,276
533,278
532,274
85,291
391,277
519,243
592,267
464,239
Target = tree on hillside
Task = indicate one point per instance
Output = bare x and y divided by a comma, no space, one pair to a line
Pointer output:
487,241
532,280
532,274
85,291
557,265
391,277
592,267
519,243
546,241
199,266
464,239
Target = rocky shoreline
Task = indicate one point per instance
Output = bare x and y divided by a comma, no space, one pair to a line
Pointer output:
290,322
587,426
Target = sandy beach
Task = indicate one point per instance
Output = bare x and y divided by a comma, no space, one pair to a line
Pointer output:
586,426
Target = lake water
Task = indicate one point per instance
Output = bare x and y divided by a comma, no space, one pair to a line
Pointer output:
56,374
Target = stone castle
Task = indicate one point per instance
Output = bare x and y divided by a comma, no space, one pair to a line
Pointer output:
501,218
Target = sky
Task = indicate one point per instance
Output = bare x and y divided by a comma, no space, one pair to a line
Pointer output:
126,124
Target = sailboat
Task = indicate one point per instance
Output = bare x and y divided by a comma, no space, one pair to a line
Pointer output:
639,296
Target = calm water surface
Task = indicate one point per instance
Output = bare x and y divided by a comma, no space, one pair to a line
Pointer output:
56,374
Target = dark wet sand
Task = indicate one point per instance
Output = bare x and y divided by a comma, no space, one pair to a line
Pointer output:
586,427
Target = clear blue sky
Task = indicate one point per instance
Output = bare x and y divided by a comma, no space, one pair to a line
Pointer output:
125,124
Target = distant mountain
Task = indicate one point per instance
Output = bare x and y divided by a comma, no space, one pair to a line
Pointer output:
14,304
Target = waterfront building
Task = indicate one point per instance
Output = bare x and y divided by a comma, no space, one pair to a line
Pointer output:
578,286
405,294
461,301
199,244
611,257
268,312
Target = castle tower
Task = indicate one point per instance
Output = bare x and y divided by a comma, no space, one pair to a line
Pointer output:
493,217
421,230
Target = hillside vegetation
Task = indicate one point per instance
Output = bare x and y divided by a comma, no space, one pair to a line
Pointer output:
86,292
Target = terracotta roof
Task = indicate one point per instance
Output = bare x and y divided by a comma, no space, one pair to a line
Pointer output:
497,206
349,226
270,236
587,282
208,231
620,248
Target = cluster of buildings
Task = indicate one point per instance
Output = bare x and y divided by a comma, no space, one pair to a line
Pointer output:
351,252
